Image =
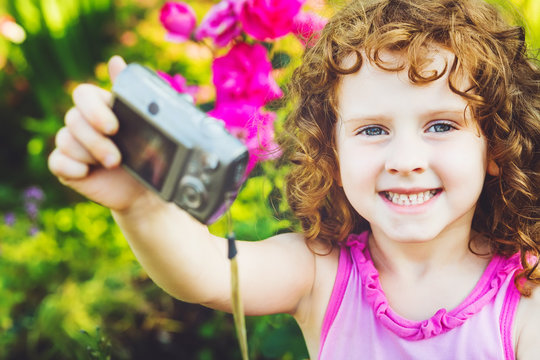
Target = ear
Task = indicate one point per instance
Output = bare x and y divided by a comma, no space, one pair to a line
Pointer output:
493,168
337,178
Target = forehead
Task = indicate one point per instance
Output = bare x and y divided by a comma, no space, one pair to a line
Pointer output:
431,56
376,90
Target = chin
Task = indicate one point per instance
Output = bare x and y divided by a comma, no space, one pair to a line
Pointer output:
411,235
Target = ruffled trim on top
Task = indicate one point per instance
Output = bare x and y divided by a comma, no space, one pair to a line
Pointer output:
498,269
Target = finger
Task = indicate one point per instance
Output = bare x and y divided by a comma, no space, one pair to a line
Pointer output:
95,105
65,167
116,65
100,147
69,146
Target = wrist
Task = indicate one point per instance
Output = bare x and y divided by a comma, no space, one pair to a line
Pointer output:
144,203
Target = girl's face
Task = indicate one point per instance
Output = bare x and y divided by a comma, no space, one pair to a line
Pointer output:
412,161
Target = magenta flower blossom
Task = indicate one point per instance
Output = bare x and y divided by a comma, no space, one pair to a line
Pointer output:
178,83
221,23
178,19
243,76
307,27
253,127
269,19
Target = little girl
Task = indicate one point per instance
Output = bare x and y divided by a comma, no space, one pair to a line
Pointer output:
415,165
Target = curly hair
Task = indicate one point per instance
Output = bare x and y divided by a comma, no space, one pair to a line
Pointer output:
504,98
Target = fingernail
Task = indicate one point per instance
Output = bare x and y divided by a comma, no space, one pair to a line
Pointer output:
111,160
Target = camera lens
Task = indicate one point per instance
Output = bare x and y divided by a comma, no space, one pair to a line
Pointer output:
153,108
191,193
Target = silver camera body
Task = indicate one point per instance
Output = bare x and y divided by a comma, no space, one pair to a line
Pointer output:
174,148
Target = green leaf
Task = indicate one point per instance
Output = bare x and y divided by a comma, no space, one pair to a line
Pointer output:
280,60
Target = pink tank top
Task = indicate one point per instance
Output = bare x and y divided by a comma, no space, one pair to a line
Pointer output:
359,324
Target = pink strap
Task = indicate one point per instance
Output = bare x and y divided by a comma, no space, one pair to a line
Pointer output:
340,285
508,313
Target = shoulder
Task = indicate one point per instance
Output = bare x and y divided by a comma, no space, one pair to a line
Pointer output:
295,246
319,258
291,248
312,308
528,327
277,273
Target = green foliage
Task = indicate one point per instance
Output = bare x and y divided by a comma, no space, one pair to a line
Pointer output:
260,210
98,347
280,60
64,40
75,291
58,285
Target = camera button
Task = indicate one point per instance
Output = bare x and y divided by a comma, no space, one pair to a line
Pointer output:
210,162
153,108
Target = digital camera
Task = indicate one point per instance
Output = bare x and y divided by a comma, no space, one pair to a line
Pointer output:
174,148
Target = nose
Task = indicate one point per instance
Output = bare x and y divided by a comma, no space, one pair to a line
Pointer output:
406,155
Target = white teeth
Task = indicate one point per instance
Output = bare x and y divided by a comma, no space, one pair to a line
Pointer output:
410,199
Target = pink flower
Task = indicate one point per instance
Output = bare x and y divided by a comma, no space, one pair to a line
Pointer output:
253,127
178,83
307,27
243,76
269,19
221,23
178,19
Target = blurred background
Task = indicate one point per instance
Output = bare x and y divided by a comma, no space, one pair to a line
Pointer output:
70,287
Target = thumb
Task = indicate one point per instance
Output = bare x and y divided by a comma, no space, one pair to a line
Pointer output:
116,65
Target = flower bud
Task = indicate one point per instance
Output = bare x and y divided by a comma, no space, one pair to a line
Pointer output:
178,18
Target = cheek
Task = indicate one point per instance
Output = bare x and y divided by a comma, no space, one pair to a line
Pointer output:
359,168
463,165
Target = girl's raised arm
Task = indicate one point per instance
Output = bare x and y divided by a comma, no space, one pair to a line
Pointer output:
183,258
176,250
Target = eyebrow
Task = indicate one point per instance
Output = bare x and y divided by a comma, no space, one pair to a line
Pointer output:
366,118
435,113
464,114
428,114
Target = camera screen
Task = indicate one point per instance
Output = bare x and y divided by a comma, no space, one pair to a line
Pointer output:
144,148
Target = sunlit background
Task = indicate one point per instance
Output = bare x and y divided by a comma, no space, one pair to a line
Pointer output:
69,286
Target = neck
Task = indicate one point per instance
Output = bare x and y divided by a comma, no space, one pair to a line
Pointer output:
416,259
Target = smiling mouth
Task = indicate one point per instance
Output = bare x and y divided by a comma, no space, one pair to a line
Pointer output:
410,199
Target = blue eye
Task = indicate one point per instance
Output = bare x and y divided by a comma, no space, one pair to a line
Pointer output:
440,127
373,131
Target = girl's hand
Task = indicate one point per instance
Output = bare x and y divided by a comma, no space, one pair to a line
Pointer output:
85,158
